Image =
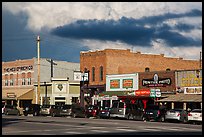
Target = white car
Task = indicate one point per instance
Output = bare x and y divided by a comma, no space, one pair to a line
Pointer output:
195,116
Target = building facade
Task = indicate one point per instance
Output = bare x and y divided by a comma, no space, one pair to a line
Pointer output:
20,77
99,63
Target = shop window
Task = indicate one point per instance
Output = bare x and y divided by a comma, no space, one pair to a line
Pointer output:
93,73
101,73
74,100
147,69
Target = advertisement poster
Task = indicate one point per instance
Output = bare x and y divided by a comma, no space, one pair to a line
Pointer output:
127,83
115,83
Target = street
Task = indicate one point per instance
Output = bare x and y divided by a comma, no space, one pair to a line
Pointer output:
39,125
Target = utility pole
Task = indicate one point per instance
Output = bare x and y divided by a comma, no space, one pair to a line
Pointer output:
38,90
200,60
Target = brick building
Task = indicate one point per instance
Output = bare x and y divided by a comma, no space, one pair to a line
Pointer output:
19,80
99,63
117,61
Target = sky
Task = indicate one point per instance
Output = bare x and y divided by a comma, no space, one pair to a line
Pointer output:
67,28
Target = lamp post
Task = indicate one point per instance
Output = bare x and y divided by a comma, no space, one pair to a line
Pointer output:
38,89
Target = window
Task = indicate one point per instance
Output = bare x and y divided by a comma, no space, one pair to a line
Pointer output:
168,69
6,82
29,81
147,69
23,81
93,73
11,82
101,73
23,78
29,78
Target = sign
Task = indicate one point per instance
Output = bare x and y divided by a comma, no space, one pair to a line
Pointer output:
18,68
192,90
77,76
155,93
156,82
115,83
127,83
142,92
85,76
11,95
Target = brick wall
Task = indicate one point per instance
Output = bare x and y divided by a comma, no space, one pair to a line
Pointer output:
117,61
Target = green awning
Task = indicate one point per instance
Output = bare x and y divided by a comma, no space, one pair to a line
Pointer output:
114,93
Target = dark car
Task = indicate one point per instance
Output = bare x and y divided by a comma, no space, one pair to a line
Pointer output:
126,110
33,109
11,110
77,111
154,112
104,112
135,112
66,110
92,111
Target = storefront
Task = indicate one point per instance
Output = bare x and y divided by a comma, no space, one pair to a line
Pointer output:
188,94
17,96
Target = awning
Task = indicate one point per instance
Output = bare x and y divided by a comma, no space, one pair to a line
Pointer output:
16,94
182,98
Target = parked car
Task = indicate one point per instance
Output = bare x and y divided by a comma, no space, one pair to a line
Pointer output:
177,114
92,111
46,109
3,108
136,113
77,111
10,110
195,116
33,109
126,110
104,112
55,110
154,112
66,110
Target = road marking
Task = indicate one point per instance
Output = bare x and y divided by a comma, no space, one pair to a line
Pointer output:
152,129
99,131
71,132
127,129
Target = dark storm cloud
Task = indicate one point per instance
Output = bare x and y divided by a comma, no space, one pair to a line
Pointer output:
132,31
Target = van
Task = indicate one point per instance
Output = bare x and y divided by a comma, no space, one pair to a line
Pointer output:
127,111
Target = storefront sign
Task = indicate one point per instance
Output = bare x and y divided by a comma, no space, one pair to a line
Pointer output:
11,95
156,82
192,90
127,83
142,92
114,83
18,68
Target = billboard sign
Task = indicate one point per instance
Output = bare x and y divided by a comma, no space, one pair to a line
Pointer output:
192,90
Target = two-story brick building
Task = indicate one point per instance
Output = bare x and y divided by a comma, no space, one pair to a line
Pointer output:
20,77
99,63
